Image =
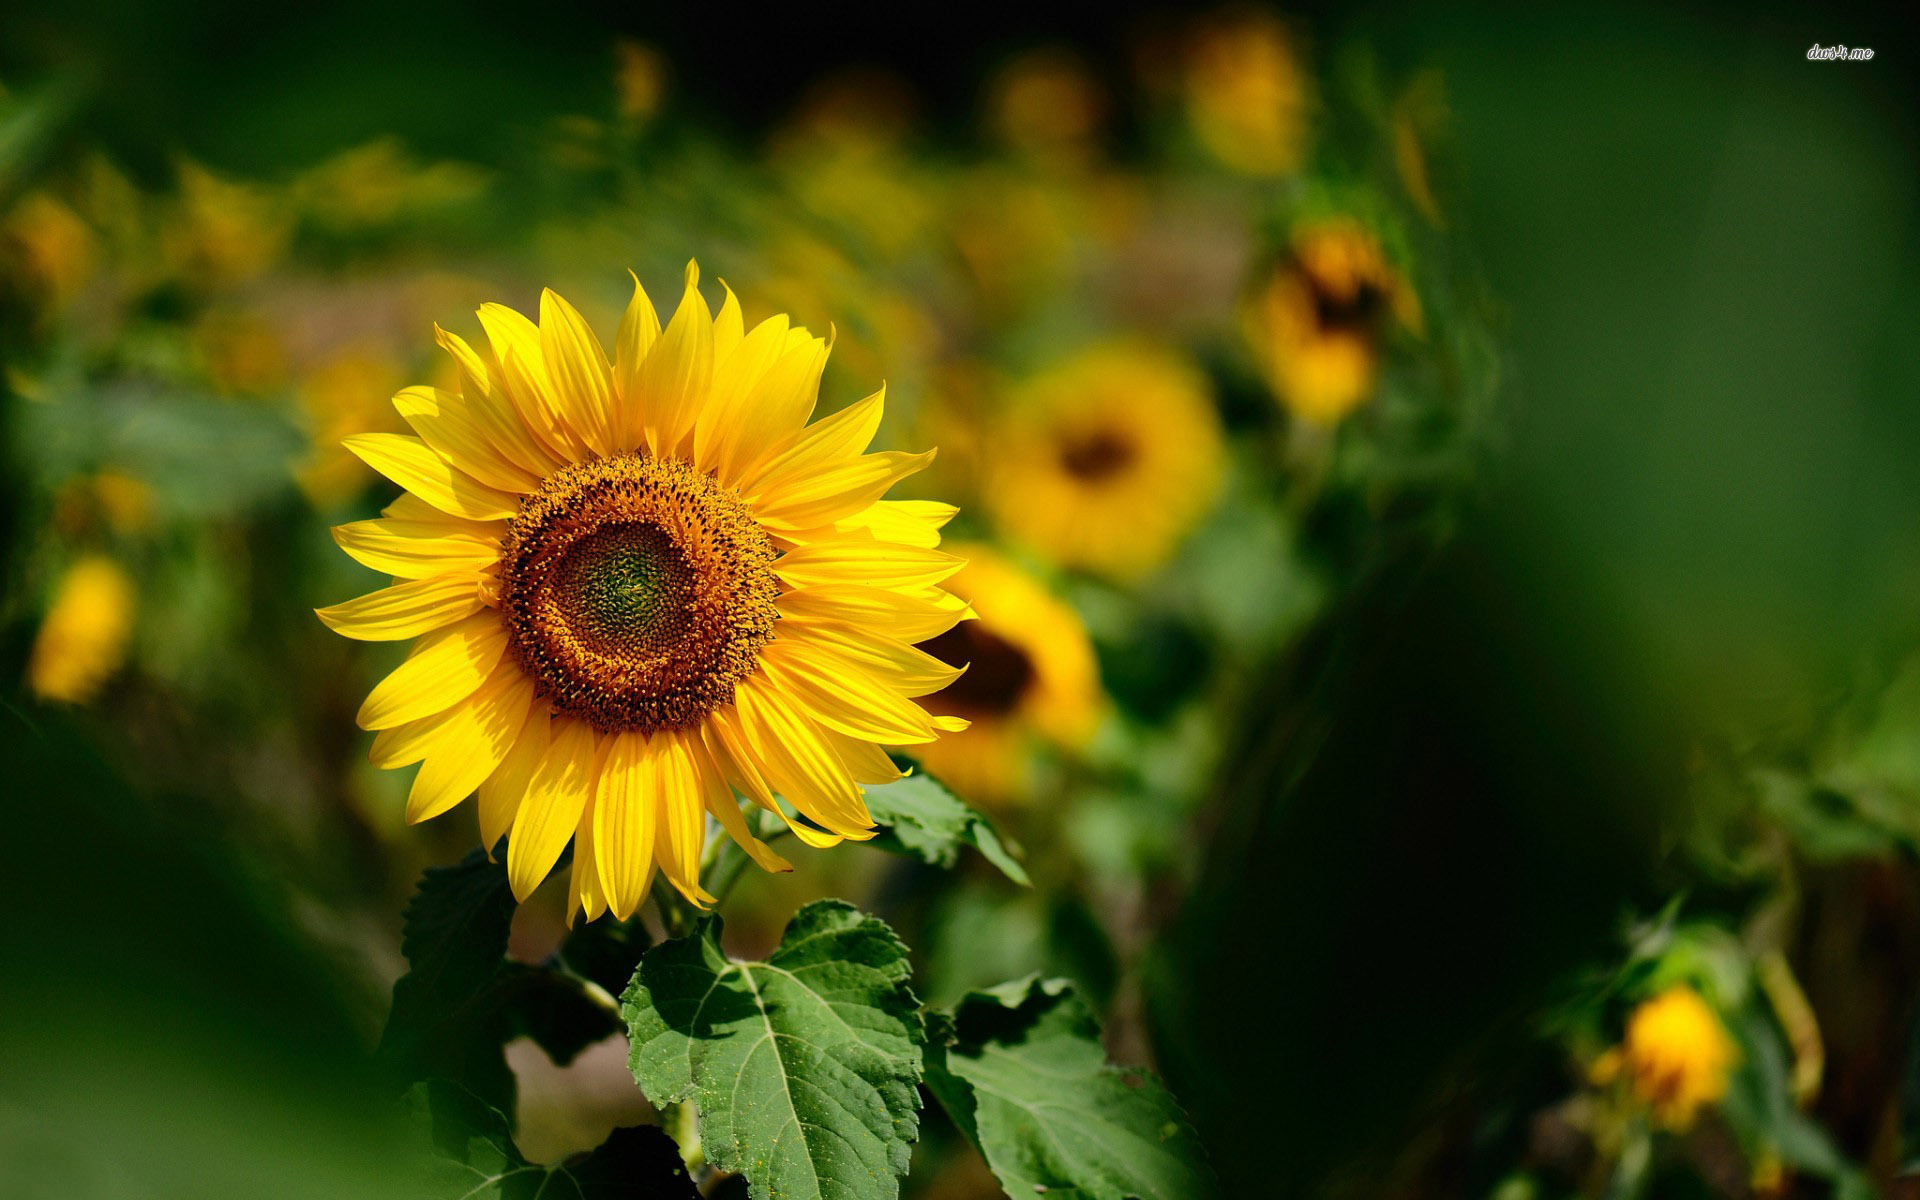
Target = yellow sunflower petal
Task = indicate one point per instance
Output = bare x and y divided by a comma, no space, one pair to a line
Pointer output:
502,791
625,816
897,615
445,667
406,609
678,373
718,798
584,893
720,426
493,410
446,422
874,564
418,549
415,466
729,328
683,815
787,748
778,404
551,810
909,522
578,368
469,742
523,369
906,669
843,698
866,762
838,491
639,329
828,442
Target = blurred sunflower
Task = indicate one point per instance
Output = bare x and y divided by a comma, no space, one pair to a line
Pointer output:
641,584
1676,1056
83,639
1030,673
1247,96
1107,460
1315,324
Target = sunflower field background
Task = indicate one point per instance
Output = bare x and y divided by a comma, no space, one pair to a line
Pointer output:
1433,496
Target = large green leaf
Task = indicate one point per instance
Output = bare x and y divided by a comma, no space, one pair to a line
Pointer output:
919,817
478,1160
1021,1070
802,1068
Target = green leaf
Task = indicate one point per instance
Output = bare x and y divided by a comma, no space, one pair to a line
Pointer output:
920,818
1021,1071
462,1000
801,1068
606,951
478,1160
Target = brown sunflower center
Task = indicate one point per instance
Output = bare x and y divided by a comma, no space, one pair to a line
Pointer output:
637,592
998,671
1096,454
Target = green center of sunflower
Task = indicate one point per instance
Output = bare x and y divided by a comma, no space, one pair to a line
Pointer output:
637,592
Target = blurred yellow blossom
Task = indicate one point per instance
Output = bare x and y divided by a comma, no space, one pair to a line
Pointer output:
1676,1056
1047,106
349,393
46,251
1031,673
224,231
380,183
83,639
639,79
1419,116
1107,460
1314,325
1246,93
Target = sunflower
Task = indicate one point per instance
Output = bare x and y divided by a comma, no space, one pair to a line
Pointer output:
83,639
1030,675
1676,1056
1316,323
1247,94
641,585
1107,460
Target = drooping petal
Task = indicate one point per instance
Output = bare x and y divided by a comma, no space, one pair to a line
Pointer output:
787,748
450,426
551,810
683,816
843,698
444,667
406,609
578,369
584,893
678,373
625,816
414,465
470,741
726,742
502,791
419,549
719,800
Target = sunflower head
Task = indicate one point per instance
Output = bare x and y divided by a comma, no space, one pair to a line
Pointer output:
1030,675
644,585
1676,1056
83,639
1316,321
1107,460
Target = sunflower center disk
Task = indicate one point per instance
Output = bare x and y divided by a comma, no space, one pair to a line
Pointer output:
637,592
